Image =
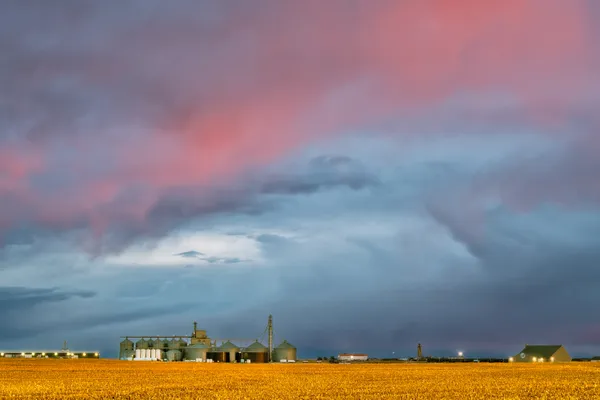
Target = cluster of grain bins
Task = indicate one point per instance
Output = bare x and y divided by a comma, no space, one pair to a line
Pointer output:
148,354
199,348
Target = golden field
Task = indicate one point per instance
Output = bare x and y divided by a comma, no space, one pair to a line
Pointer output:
108,379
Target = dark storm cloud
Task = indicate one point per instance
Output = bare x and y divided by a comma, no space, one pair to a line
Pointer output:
324,172
532,279
177,206
23,298
17,304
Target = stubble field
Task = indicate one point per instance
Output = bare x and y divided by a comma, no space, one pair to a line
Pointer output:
107,379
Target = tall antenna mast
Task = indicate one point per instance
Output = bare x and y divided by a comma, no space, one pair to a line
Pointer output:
270,327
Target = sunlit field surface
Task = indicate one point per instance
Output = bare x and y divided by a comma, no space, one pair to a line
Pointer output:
102,379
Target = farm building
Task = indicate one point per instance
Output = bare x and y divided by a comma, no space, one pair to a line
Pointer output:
62,353
542,353
353,357
200,348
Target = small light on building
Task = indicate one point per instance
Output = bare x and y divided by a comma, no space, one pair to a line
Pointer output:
534,359
96,354
551,359
460,353
84,354
43,354
511,359
22,354
55,354
2,354
541,360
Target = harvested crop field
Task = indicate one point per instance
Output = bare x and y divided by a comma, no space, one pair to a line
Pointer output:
107,379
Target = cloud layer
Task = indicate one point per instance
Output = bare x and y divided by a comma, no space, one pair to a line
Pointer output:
384,163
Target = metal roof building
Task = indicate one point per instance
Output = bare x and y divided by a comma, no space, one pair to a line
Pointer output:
542,353
62,353
353,357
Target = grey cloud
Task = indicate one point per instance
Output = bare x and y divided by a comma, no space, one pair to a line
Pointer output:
22,297
190,254
271,239
17,304
324,172
223,260
364,296
179,205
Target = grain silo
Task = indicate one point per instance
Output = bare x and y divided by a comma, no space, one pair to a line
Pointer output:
164,345
141,344
227,352
174,344
174,355
256,353
125,348
285,351
196,351
153,344
182,343
232,351
216,355
127,354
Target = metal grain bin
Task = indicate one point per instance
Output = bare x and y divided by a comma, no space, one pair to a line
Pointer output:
141,344
182,343
285,351
127,354
174,355
256,353
233,351
124,346
174,344
164,344
195,352
217,356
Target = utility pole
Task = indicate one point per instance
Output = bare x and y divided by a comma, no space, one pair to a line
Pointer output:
270,327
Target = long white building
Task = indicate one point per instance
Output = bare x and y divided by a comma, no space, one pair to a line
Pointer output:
353,357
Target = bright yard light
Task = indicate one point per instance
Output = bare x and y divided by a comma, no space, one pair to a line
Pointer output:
460,353
511,359
551,359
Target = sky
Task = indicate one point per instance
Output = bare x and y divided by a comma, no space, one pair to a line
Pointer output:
374,174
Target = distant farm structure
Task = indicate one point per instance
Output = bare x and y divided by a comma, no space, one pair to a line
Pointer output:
542,353
64,352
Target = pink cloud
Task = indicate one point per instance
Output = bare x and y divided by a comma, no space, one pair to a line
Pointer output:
263,81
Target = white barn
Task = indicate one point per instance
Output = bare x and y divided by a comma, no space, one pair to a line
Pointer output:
353,357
